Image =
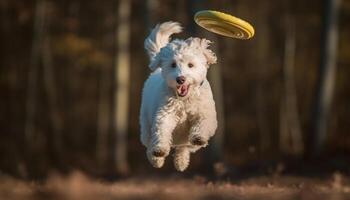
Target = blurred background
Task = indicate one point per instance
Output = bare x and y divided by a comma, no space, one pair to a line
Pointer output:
72,71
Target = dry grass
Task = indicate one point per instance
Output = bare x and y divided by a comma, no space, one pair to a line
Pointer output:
79,186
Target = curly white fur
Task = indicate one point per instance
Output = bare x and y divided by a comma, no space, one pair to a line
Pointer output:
169,120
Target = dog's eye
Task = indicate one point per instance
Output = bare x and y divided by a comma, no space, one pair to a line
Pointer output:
173,65
190,65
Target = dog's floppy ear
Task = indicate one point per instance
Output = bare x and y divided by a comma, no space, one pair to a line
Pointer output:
209,55
202,45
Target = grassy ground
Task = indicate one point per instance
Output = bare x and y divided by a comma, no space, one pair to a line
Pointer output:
79,186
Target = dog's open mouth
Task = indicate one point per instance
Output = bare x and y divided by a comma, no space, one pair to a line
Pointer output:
182,90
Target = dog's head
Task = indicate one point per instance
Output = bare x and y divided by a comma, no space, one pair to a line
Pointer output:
184,64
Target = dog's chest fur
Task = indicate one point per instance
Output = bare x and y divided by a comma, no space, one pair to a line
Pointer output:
187,110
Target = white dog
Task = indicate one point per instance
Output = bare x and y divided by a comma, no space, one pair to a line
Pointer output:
177,107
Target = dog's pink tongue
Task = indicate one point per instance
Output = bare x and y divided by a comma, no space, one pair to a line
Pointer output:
182,90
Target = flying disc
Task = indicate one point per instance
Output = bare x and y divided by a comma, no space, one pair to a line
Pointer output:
224,24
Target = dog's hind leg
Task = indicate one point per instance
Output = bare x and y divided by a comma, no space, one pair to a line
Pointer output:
181,158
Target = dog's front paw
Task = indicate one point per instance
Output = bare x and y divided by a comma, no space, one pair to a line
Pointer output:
156,155
160,151
156,162
198,141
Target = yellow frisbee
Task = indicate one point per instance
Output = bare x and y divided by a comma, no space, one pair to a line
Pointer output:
224,24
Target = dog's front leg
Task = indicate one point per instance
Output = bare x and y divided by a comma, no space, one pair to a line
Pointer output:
202,129
161,137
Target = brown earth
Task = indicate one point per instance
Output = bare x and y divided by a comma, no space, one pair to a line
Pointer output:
79,186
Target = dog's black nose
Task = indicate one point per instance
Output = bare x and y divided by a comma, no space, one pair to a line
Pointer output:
180,79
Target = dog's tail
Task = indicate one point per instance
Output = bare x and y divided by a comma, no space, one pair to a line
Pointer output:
160,36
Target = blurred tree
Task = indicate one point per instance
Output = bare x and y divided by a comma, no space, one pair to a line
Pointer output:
262,55
30,128
104,107
290,131
42,56
326,77
105,95
56,120
215,77
122,65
